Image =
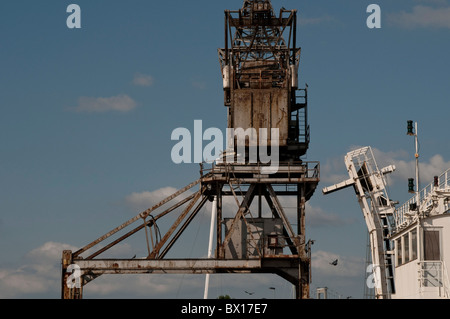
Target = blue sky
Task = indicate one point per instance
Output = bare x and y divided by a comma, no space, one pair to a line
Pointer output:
87,117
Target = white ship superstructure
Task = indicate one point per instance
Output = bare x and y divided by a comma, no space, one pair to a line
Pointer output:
410,245
422,243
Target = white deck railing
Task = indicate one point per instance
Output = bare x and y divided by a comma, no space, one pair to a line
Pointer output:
433,274
404,215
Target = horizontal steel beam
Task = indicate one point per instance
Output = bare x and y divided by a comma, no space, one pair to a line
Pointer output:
242,168
273,22
279,193
250,180
281,266
196,266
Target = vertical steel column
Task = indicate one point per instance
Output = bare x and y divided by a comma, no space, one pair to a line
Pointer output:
301,202
220,253
66,291
294,38
66,261
304,278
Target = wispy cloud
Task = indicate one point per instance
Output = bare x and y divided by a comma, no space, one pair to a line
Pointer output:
143,80
146,199
120,103
317,217
422,17
405,169
333,170
39,274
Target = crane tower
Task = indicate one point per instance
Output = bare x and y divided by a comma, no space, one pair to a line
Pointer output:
260,75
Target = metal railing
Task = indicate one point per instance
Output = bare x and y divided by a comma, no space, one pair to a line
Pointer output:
433,274
309,169
405,214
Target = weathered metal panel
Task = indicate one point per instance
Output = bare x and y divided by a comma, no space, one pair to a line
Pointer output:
262,109
279,113
252,242
242,114
235,248
170,265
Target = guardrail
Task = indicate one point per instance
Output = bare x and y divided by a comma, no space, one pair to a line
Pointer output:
434,274
404,214
307,169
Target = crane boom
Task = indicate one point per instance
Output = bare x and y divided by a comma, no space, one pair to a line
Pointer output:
370,187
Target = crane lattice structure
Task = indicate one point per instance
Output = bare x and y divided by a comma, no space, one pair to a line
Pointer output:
260,75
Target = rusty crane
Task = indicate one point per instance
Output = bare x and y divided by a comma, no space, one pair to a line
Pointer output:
259,66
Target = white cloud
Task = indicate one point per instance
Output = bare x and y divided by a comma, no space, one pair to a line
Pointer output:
143,80
333,170
39,274
39,258
120,103
406,169
14,283
422,17
146,199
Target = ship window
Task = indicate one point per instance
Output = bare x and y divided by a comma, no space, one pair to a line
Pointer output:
431,247
414,244
406,243
399,251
